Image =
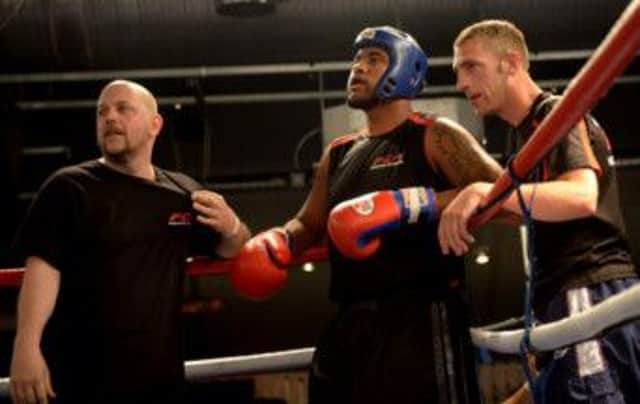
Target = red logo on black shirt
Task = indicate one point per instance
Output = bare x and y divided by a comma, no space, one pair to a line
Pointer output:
180,219
387,160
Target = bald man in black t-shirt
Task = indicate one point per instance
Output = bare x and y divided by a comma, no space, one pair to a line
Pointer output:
104,245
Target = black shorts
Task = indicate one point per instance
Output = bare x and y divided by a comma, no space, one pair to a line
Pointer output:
400,350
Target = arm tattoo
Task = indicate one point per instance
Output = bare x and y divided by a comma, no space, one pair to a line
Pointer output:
460,157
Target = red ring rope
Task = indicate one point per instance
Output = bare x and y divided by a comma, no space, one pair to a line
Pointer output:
12,277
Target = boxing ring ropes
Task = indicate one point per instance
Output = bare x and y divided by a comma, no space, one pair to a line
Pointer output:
590,84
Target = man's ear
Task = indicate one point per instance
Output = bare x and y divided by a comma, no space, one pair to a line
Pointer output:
156,124
513,61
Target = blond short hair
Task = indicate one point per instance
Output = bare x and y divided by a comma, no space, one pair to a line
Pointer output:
503,34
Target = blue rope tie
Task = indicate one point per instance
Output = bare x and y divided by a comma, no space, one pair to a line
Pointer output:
527,220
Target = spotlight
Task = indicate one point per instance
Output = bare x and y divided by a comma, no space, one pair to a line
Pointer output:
482,256
308,267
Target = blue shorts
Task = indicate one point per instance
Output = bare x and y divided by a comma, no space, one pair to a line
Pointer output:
601,370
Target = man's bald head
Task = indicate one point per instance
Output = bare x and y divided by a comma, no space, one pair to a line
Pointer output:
145,96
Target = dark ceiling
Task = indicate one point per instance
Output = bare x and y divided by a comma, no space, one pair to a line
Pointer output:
44,43
63,35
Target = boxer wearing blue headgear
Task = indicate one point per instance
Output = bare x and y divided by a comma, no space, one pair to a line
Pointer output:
405,71
376,194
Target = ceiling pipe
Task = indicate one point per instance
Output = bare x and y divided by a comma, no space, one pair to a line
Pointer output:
239,70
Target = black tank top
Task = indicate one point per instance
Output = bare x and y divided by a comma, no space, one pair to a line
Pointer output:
409,257
582,251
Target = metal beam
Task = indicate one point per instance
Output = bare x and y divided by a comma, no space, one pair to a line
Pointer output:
430,90
238,70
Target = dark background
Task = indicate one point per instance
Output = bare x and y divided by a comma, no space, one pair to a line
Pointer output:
249,135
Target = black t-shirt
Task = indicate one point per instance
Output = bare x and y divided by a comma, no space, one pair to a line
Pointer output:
409,257
582,251
120,244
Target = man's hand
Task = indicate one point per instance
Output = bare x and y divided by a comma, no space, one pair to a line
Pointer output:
29,375
453,234
214,212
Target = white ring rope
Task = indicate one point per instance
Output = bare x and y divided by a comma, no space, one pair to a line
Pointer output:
614,310
203,370
206,369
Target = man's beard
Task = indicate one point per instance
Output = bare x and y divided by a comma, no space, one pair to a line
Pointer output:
120,156
364,104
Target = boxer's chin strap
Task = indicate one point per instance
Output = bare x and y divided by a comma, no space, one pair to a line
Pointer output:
530,272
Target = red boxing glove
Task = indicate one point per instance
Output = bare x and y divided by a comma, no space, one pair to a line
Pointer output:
355,225
258,271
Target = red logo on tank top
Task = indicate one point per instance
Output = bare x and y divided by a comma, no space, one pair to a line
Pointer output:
180,219
387,160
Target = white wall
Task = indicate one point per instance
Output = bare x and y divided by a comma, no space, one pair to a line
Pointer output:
339,120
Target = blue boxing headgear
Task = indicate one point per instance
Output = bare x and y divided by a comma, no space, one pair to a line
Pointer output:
407,70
